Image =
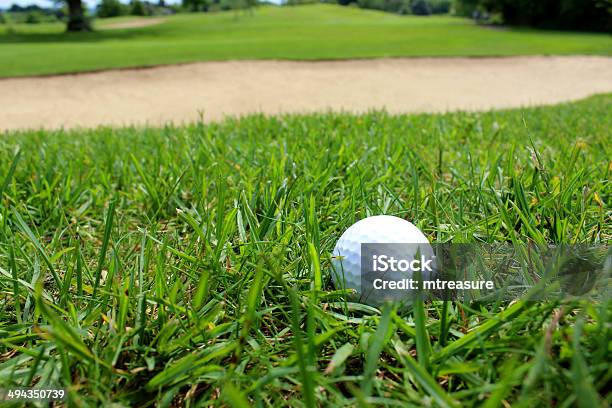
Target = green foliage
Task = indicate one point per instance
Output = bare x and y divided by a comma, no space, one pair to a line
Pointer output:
465,8
226,5
420,7
33,18
440,6
137,8
312,32
416,7
392,6
30,15
111,8
189,266
301,2
593,15
196,5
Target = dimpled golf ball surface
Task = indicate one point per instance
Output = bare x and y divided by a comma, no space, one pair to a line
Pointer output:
377,229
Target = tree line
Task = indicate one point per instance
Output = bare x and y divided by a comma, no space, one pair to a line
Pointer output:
589,15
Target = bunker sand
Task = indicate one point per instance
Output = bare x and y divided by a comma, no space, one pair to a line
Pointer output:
134,23
183,93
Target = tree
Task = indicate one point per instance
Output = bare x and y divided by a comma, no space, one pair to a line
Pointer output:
138,8
592,15
420,8
33,18
77,21
110,8
196,5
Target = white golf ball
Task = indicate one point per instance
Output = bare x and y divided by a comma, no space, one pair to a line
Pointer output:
346,259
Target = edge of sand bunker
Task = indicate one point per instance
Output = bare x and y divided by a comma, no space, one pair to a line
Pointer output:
180,93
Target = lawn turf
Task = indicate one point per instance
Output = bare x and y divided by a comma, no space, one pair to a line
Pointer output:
312,32
176,265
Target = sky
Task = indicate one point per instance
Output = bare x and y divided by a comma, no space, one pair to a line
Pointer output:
47,3
4,4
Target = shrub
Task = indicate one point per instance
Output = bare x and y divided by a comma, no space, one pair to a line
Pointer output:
232,5
420,8
392,6
33,18
138,8
196,5
299,2
110,8
399,6
28,15
465,8
372,4
440,6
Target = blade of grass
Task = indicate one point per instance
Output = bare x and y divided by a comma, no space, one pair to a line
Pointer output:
9,174
377,343
423,378
30,235
108,227
422,335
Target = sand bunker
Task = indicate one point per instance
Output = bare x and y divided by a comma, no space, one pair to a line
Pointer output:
136,23
180,93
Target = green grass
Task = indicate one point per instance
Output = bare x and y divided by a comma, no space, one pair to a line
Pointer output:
303,33
191,265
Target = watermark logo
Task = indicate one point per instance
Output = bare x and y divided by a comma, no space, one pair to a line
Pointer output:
384,263
399,272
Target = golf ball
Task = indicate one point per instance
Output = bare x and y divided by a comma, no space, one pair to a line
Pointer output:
380,229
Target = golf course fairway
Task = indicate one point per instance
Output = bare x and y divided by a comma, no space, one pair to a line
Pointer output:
311,32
